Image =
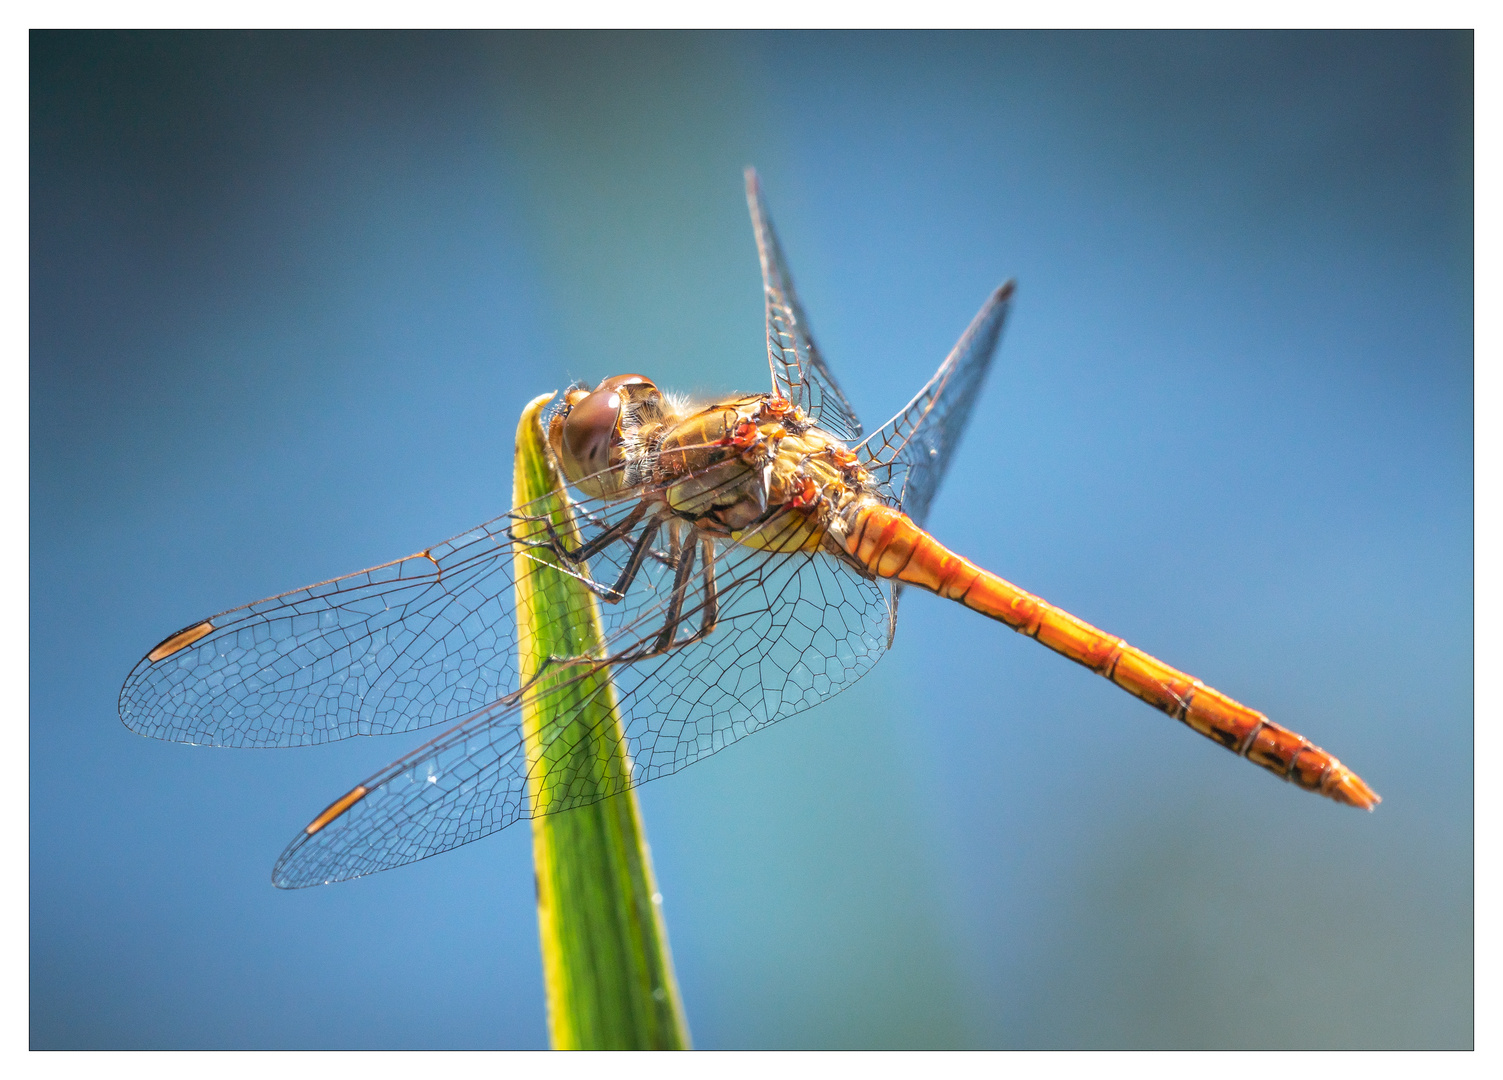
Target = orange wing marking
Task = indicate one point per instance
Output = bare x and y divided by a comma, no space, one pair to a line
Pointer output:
336,808
180,641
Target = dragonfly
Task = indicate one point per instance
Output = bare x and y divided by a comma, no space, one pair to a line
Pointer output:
748,555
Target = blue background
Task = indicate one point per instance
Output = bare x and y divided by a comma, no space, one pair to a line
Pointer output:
289,294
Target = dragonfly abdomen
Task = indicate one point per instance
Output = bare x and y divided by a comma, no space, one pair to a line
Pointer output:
890,545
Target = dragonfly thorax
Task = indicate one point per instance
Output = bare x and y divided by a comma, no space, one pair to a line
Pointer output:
729,467
738,465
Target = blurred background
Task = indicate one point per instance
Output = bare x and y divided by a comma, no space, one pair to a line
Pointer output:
289,293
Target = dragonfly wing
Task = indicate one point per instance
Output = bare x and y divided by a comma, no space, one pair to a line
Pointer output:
467,783
799,372
910,453
792,630
402,646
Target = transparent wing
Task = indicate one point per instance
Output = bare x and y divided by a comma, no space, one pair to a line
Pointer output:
792,630
910,453
420,641
798,371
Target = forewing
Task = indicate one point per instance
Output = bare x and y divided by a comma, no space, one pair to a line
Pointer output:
909,454
799,372
792,630
416,642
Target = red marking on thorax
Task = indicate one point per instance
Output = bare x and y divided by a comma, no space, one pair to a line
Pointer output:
806,495
744,435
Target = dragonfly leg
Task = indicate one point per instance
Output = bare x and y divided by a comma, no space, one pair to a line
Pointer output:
589,548
614,594
640,550
674,614
682,557
710,609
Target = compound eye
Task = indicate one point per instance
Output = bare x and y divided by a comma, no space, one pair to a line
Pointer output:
591,431
635,387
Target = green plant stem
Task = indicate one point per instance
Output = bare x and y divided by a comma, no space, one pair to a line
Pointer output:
606,965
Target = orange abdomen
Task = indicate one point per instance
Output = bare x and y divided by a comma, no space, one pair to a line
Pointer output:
890,545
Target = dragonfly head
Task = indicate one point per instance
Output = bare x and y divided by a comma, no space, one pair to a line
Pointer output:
588,434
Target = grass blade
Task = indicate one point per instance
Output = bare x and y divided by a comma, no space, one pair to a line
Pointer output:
606,965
